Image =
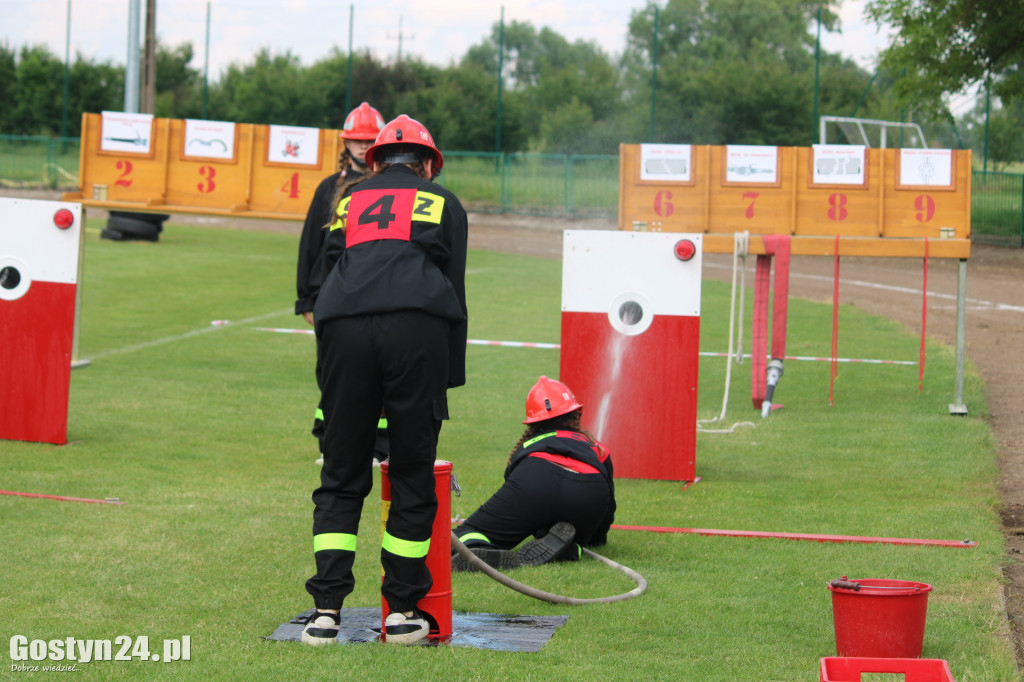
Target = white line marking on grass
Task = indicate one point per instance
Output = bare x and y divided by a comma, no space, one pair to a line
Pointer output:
469,342
196,332
558,346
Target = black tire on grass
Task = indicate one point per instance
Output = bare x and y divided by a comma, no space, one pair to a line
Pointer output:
133,228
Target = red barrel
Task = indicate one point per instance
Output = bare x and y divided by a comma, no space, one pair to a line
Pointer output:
883,619
437,605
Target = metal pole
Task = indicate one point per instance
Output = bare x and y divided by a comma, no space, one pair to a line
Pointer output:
147,97
206,67
348,77
67,76
654,74
958,407
988,101
501,67
864,94
131,69
817,71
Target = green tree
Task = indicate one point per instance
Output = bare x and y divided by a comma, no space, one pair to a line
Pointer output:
8,80
1005,142
729,71
461,111
945,46
38,97
93,87
272,90
571,91
178,85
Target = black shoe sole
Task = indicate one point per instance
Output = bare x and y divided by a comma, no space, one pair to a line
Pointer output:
495,558
545,549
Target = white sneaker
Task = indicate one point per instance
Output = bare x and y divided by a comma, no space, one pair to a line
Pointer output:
321,628
402,629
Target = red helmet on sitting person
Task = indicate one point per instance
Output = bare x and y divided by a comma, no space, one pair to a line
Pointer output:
549,398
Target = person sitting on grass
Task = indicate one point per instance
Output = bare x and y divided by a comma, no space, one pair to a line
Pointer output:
559,487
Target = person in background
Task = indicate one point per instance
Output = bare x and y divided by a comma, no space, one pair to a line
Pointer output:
357,135
559,487
392,326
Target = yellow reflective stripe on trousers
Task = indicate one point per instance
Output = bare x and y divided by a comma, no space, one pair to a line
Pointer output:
409,549
474,536
382,423
345,541
319,414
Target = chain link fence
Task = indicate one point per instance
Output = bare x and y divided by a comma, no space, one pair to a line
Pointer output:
997,208
562,185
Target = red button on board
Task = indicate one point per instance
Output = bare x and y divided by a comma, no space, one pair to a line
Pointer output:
685,250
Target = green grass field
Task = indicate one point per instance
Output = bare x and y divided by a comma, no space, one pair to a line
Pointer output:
203,432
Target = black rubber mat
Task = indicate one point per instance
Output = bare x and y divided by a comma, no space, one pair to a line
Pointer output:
497,631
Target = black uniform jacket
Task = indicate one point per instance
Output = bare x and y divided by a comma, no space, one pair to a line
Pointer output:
399,243
307,279
578,446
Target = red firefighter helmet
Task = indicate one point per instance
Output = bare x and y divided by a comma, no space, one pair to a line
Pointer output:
549,398
362,123
403,131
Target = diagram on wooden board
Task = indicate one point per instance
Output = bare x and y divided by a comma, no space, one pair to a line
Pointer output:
293,145
666,162
131,133
926,168
755,164
839,164
210,140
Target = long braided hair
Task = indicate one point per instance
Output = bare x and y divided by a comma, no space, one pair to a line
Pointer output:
344,187
569,421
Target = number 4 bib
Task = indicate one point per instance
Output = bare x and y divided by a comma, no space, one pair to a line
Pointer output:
368,215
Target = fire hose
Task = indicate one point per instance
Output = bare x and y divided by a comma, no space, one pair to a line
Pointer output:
479,564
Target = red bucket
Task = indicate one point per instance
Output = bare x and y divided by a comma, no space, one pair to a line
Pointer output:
877,618
437,605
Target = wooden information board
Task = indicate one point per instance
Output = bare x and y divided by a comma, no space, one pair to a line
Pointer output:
206,167
878,202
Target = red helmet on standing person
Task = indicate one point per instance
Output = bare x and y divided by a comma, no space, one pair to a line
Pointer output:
400,134
362,123
549,398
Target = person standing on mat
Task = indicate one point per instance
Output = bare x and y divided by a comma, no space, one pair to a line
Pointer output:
358,133
391,319
559,487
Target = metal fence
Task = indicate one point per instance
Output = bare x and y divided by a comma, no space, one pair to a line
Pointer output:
997,208
564,185
39,161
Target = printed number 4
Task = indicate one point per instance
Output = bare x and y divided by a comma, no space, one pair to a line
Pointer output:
379,212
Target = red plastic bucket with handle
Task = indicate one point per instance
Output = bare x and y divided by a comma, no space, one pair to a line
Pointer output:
878,618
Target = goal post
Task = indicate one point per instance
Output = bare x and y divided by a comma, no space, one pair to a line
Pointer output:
870,132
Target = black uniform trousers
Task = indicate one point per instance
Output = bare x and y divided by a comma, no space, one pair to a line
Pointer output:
397,360
537,495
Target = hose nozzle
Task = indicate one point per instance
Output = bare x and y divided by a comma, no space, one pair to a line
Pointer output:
774,373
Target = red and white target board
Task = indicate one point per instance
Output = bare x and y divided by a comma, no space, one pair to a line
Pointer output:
39,242
630,342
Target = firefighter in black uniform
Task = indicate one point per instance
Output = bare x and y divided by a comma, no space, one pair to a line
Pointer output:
358,134
391,320
559,486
